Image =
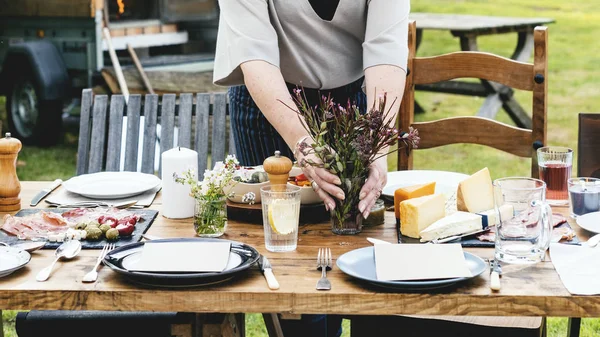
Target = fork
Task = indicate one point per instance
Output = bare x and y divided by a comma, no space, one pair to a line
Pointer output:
324,262
92,276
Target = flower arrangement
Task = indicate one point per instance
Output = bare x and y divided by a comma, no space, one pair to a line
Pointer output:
371,134
210,218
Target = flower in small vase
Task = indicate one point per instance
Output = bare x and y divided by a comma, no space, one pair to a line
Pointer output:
371,133
210,217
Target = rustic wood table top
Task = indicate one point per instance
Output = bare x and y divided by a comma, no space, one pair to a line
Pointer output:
526,291
481,24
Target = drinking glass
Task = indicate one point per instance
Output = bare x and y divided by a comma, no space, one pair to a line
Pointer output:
584,196
555,165
524,236
281,213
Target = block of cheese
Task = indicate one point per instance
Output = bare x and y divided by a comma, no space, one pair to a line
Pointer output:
418,213
489,217
410,192
454,224
476,194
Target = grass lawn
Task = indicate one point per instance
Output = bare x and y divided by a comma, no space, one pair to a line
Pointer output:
574,86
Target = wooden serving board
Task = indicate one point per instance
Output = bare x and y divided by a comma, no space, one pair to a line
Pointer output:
147,216
312,213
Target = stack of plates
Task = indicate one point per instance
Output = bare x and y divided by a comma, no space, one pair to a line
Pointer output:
123,260
111,185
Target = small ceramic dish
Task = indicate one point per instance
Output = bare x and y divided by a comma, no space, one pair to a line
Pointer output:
307,194
240,189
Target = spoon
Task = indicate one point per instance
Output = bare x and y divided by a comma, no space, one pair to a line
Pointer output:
593,241
68,250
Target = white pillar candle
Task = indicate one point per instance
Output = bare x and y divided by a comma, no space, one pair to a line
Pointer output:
176,200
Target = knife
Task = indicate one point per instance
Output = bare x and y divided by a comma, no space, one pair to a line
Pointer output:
495,272
456,237
265,267
44,192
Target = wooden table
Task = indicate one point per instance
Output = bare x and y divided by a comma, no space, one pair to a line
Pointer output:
526,291
468,28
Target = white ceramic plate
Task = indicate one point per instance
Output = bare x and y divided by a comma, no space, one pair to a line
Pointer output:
445,182
12,259
590,222
111,185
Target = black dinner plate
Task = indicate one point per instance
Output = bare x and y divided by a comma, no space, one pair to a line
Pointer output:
241,258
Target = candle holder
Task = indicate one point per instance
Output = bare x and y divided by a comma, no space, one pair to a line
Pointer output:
584,195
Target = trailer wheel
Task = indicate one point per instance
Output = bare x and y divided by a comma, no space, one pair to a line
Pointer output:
31,120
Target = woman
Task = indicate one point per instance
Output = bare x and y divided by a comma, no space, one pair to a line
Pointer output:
265,48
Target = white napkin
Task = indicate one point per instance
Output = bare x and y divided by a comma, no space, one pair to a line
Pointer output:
62,196
420,262
578,267
183,257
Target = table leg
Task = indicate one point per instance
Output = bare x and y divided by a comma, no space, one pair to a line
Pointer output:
500,95
574,327
272,324
220,325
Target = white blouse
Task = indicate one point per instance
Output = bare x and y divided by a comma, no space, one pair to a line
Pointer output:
310,51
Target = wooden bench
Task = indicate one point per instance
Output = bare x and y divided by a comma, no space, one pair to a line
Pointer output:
195,116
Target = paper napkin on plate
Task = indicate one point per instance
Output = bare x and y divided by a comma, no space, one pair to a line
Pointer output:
420,262
578,267
183,257
62,196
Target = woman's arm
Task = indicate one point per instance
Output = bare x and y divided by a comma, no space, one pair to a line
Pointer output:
380,79
267,87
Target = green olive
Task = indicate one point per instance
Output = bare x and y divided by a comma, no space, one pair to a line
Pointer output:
112,234
81,225
104,228
93,233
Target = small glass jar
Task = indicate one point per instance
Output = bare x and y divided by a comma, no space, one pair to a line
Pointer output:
377,214
210,217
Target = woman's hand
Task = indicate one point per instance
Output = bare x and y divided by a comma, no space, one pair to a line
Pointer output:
323,182
372,188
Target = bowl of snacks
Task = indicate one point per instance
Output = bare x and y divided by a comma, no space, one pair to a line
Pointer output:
248,180
307,194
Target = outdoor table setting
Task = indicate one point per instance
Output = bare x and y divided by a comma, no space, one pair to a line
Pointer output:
446,244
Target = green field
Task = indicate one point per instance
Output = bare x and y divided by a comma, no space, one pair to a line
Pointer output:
574,86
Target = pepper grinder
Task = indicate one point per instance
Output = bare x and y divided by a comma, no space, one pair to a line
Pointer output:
278,168
10,187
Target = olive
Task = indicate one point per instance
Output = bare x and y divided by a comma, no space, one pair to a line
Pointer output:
104,228
93,233
112,234
81,225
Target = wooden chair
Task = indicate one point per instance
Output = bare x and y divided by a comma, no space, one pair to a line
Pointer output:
473,129
101,125
588,145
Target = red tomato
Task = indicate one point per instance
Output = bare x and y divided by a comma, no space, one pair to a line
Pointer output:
301,177
125,229
109,220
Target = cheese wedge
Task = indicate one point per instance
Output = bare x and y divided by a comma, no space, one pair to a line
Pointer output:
418,213
410,192
454,224
489,217
476,194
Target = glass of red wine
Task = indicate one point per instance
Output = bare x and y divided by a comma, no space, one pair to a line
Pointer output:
555,164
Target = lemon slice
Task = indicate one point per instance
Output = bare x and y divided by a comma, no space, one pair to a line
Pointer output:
282,217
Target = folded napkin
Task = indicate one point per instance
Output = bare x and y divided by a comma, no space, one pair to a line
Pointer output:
62,196
420,262
578,267
183,257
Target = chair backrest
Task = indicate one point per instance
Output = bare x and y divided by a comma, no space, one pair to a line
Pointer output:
101,130
478,130
588,145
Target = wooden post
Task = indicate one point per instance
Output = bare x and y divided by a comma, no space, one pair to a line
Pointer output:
140,69
116,64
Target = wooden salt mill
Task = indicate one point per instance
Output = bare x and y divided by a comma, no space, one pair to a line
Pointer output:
10,187
278,168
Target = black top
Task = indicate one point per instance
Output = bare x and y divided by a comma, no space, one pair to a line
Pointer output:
325,9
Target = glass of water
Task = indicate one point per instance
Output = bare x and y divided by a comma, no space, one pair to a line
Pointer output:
524,236
281,213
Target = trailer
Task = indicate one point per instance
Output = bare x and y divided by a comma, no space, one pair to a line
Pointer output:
51,49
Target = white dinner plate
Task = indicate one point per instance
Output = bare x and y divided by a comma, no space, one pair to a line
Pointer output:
590,222
12,259
445,182
111,185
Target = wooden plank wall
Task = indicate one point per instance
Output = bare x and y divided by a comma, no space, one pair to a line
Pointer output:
57,8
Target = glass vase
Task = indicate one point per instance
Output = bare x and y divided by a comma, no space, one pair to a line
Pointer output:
346,219
210,217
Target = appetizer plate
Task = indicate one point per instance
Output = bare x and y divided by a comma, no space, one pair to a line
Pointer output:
360,263
590,222
122,260
12,259
445,182
111,185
